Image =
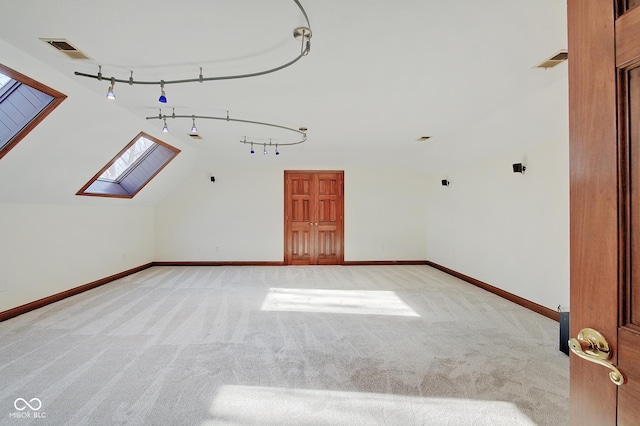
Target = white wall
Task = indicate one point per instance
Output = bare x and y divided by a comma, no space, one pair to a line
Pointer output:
506,229
237,218
385,209
240,217
52,240
47,249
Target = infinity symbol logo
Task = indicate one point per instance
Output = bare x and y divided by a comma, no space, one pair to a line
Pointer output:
22,404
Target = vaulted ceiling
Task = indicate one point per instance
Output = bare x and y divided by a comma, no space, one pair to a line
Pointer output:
380,74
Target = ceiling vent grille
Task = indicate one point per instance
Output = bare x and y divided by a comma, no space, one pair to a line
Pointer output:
194,136
63,46
554,60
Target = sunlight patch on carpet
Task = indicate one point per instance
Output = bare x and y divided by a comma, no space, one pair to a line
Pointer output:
243,405
336,302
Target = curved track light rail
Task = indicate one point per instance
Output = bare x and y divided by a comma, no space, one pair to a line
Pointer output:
301,131
301,33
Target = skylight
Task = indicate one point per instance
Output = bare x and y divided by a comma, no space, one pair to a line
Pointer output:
126,160
129,171
24,103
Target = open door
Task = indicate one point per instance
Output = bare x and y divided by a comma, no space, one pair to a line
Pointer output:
604,128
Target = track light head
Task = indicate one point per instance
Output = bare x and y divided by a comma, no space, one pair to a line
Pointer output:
194,129
110,94
162,98
165,129
252,151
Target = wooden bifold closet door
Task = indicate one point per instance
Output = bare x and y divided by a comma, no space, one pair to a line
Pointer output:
314,222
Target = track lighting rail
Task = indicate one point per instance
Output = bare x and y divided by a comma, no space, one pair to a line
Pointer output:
199,79
301,33
301,131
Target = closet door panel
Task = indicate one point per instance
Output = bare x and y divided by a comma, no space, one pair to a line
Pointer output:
314,222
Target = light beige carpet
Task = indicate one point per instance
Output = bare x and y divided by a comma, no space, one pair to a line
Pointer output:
331,345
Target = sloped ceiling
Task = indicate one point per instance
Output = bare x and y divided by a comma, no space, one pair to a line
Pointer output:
380,75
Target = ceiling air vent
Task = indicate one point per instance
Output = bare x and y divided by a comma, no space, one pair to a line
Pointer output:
65,47
554,60
194,136
423,138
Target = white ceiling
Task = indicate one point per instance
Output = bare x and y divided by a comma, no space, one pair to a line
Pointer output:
380,74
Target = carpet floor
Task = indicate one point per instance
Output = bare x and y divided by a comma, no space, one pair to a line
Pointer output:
293,345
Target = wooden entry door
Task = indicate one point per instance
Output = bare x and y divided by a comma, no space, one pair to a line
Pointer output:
604,129
314,221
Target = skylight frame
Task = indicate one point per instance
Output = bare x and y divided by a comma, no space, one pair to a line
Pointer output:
114,188
58,98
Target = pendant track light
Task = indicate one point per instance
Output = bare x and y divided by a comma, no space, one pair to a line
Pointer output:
194,129
110,94
165,129
162,98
